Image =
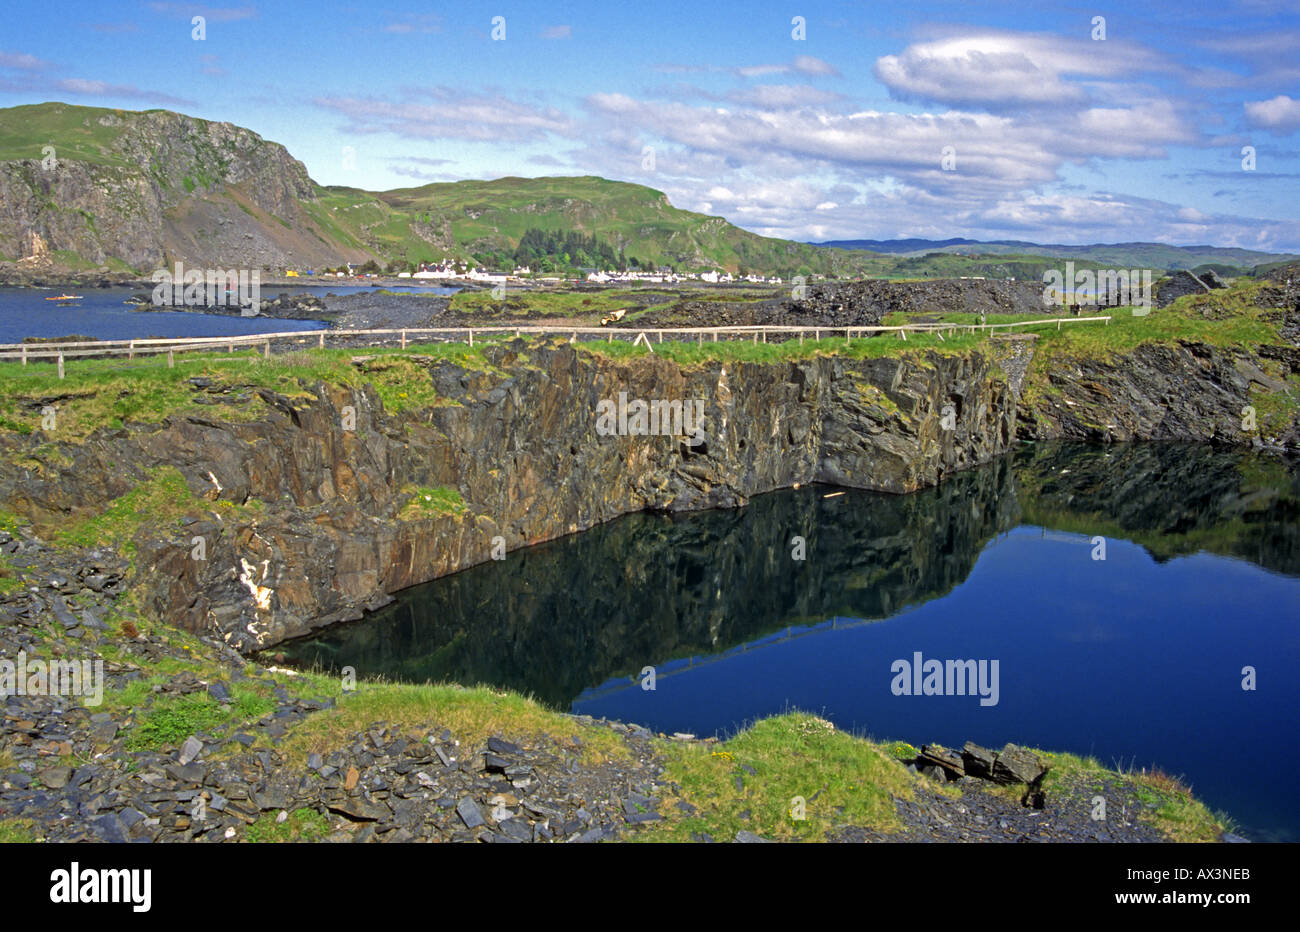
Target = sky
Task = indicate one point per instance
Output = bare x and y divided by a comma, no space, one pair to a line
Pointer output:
1053,121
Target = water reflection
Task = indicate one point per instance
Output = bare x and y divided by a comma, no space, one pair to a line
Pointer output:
560,618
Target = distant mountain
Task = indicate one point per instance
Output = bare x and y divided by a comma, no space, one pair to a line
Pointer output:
1107,255
86,188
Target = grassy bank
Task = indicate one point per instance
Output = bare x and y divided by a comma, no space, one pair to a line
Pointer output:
113,392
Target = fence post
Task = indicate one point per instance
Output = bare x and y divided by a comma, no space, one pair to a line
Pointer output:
266,350
322,339
130,350
24,355
403,339
817,336
60,365
471,336
699,338
171,360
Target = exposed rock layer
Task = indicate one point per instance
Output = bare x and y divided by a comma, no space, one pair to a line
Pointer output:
523,453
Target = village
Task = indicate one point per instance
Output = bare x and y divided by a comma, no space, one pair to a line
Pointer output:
452,271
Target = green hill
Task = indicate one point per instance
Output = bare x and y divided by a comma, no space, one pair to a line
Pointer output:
487,218
141,189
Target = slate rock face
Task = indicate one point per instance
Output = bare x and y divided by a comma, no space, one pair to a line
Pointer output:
1184,391
519,444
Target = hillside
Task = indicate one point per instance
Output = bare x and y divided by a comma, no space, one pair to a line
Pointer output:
1105,255
139,190
127,192
135,191
482,218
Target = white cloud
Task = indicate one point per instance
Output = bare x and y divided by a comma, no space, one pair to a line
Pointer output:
444,113
92,88
21,61
212,14
1003,70
557,32
1279,115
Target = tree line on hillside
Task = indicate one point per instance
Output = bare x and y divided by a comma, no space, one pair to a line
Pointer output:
556,251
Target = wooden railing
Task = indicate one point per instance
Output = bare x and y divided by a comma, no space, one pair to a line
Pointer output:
129,349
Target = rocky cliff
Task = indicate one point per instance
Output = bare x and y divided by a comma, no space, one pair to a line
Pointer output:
121,189
335,529
1181,390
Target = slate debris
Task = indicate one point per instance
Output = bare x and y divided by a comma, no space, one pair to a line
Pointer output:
387,783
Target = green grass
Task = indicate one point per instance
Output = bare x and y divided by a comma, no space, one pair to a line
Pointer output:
98,393
426,502
18,831
302,825
160,501
172,719
546,303
472,715
745,350
1171,808
843,780
75,132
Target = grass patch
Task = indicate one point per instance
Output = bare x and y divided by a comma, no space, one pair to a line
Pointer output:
843,780
472,715
173,719
431,503
18,831
160,501
745,350
99,393
301,825
1170,806
546,303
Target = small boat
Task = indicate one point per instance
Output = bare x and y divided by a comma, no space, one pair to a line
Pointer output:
66,297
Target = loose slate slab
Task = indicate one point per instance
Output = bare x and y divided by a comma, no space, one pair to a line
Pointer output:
360,809
978,761
469,813
944,757
498,745
1014,764
191,749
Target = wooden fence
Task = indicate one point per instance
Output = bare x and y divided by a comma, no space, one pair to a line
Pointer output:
129,349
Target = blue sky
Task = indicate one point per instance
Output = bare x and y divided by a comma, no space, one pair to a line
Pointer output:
1056,136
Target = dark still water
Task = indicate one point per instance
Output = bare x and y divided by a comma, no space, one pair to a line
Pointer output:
1136,659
